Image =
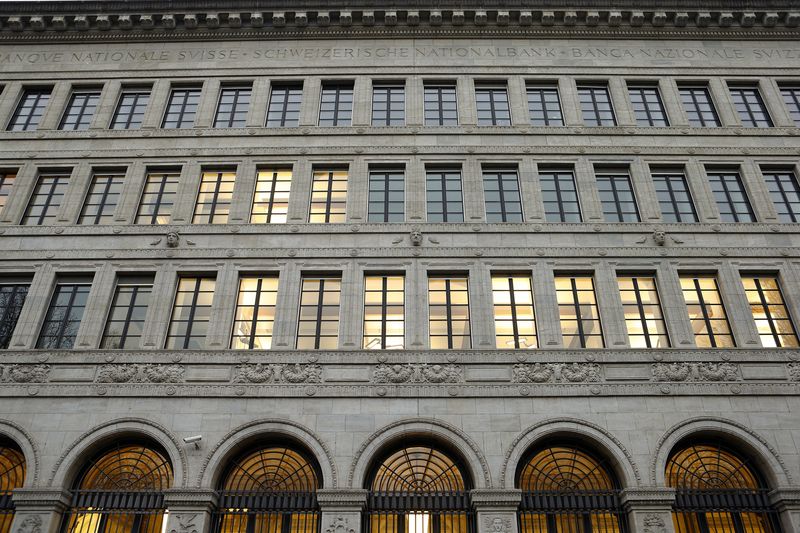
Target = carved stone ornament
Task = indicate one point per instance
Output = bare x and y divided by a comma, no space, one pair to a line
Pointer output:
654,524
31,524
278,373
417,373
140,373
416,236
497,524
556,372
185,523
724,371
24,373
793,370
340,525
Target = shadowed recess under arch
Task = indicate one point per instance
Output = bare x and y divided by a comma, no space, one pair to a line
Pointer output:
418,469
12,476
275,468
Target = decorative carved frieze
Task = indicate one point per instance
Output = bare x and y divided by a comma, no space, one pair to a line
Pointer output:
140,373
418,373
557,372
704,371
793,370
278,373
24,373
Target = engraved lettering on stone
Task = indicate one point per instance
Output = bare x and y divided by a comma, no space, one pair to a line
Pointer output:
140,373
278,373
24,373
707,371
556,372
417,373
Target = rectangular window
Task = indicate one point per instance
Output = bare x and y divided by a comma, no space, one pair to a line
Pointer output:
616,196
730,196
318,327
336,105
182,108
12,298
544,106
80,110
643,317
130,109
699,107
514,321
30,110
492,105
328,197
284,105
559,194
388,105
102,199
706,312
386,196
774,325
785,193
441,105
674,197
384,312
647,106
448,313
158,197
46,200
214,199
64,315
578,313
234,103
255,313
502,195
750,106
596,105
191,313
444,200
125,323
7,180
271,200
791,96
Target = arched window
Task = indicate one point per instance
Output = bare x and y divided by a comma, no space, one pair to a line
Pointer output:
121,491
270,490
12,476
566,489
717,491
418,489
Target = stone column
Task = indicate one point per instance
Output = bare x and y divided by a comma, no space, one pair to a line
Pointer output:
300,197
90,332
609,305
786,501
188,186
189,509
226,291
132,188
242,199
673,306
156,322
481,307
415,191
34,308
350,306
737,307
703,197
38,510
285,327
79,182
357,190
341,509
17,201
548,327
649,509
472,190
496,509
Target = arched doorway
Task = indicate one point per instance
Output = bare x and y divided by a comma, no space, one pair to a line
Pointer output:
12,476
718,491
419,488
121,490
566,488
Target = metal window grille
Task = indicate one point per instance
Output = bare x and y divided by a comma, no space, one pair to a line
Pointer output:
448,313
328,197
214,198
596,106
647,106
644,318
46,200
785,193
158,197
125,323
384,312
336,104
514,319
617,198
674,198
791,97
318,326
706,312
130,110
12,298
751,108
544,106
699,107
502,196
7,180
80,110
232,108
102,199
30,109
578,312
492,106
772,318
255,313
182,108
731,197
64,316
444,200
191,313
386,196
12,476
271,199
441,105
284,105
388,105
560,196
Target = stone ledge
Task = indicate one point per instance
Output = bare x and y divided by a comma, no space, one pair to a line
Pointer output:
342,499
483,499
38,498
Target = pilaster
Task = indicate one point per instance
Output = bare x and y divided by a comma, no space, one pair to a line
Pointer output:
357,191
467,109
673,306
496,509
591,209
649,509
55,107
773,99
703,197
350,306
38,510
93,322
570,103
287,301
17,202
415,191
125,212
188,186
481,310
259,101
208,104
472,190
154,114
548,327
723,103
158,315
417,326
621,102
786,501
12,92
737,307
645,191
415,101
243,191
300,196
759,193
518,101
190,510
341,509
362,101
671,97
609,304
79,182
226,291
309,110
108,102
35,307
532,204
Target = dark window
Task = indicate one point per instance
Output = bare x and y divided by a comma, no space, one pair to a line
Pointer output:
388,105
444,200
578,313
234,102
791,96
318,327
386,196
559,195
214,198
751,107
102,200
284,106
29,110
191,313
182,107
130,110
514,321
596,106
616,196
502,196
544,106
328,197
731,197
773,322
64,316
336,106
706,312
271,200
158,197
785,193
7,180
46,200
492,104
12,298
647,106
699,107
448,313
125,323
80,110
643,317
384,312
441,105
255,313
674,197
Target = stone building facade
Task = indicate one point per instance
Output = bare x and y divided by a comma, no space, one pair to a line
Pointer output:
417,145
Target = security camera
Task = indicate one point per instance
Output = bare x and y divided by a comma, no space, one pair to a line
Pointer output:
195,439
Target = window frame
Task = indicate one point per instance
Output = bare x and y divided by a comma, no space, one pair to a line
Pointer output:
443,172
492,88
276,171
556,172
509,277
190,321
597,121
390,87
707,321
440,109
790,92
136,282
256,307
748,119
287,86
328,198
112,178
215,200
7,180
772,178
641,317
239,90
337,120
189,91
138,93
576,305
543,88
17,284
41,93
79,124
165,175
613,176
768,315
384,292
76,285
61,178
666,176
319,306
499,172
720,175
649,120
702,121
386,214
448,305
